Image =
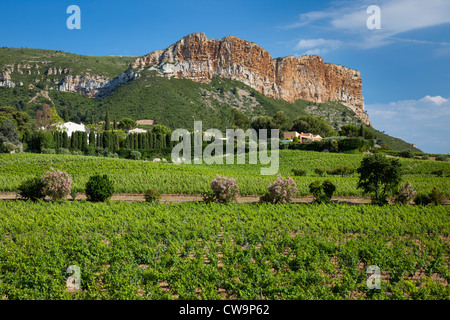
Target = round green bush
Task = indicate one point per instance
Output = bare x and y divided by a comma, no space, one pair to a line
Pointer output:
99,188
152,195
135,155
299,172
32,189
422,199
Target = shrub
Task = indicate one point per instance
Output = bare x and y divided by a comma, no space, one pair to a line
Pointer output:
438,172
320,171
441,158
405,194
32,189
77,153
112,155
435,196
425,157
73,193
322,193
48,151
223,190
57,184
422,199
406,154
99,188
299,172
282,190
63,151
152,195
8,147
135,155
342,170
296,140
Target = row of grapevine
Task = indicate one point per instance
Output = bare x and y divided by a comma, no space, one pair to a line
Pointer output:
209,251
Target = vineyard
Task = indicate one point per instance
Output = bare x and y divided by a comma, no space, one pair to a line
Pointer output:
131,176
240,251
202,250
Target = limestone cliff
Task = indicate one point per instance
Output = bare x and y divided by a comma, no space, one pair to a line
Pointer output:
95,86
198,58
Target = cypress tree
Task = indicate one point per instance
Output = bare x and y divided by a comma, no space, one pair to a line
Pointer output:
65,140
84,143
146,146
107,121
106,140
117,143
151,141
136,141
65,115
168,141
163,141
131,135
92,138
74,141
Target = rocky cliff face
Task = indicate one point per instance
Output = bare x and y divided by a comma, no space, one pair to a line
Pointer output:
95,86
198,58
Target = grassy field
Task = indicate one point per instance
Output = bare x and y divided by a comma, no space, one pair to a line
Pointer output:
199,251
132,176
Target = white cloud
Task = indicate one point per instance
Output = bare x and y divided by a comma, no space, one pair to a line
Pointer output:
397,17
423,122
437,99
317,46
315,43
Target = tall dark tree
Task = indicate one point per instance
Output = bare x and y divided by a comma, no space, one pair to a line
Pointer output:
107,127
92,138
8,133
240,120
379,176
281,120
65,115
65,140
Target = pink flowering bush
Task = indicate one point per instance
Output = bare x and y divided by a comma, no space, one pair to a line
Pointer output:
282,190
223,190
57,184
405,194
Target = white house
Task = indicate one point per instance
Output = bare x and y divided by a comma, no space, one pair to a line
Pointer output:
137,130
71,127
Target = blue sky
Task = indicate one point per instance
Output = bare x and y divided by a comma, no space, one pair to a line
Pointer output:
405,65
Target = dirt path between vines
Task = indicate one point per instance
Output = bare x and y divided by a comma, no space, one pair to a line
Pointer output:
177,198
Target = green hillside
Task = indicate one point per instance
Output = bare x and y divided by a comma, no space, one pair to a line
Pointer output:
41,60
172,102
